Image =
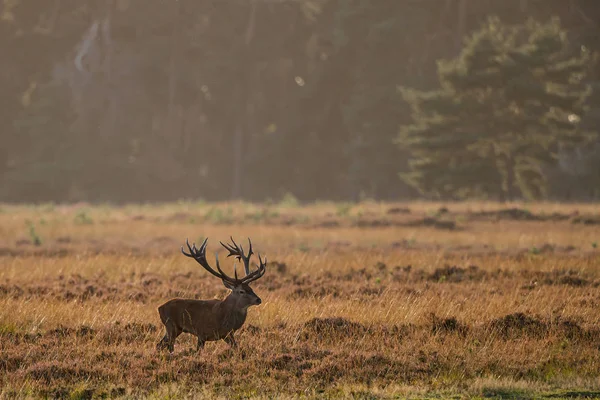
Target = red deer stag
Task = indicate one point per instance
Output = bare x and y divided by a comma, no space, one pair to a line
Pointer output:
212,319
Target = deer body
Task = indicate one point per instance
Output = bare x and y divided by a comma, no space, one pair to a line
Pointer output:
211,320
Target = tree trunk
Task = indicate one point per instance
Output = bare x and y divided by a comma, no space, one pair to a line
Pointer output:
169,127
111,94
510,178
494,156
244,108
238,149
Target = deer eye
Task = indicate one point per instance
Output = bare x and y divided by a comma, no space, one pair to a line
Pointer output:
242,292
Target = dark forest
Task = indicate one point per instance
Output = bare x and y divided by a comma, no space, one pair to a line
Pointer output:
154,100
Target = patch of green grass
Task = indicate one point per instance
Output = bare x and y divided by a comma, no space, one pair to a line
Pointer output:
199,203
262,215
460,219
572,394
33,234
218,216
364,197
8,328
274,214
81,392
82,218
47,207
289,200
534,250
505,393
301,219
343,209
303,248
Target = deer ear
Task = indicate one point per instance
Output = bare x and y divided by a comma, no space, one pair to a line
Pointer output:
228,285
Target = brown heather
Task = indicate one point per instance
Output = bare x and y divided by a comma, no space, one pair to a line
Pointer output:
367,301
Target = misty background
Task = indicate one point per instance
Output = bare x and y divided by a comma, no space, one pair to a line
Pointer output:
159,100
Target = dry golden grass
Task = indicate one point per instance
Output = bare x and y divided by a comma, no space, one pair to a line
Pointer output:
370,300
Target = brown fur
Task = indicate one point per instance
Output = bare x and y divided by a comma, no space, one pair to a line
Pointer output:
208,320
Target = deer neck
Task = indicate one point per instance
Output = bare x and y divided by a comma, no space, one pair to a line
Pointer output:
233,316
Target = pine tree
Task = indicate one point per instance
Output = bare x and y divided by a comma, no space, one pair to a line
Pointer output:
506,103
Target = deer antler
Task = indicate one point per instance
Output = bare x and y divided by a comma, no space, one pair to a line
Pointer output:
238,252
200,256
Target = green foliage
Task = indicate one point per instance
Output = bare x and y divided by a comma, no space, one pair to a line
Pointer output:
214,214
33,234
82,218
506,104
263,215
289,200
343,209
218,216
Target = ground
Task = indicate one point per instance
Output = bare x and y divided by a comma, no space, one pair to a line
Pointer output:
369,300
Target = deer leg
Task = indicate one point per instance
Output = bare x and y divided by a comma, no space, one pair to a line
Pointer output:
163,343
230,340
172,341
170,336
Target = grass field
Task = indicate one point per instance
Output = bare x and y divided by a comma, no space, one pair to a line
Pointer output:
370,300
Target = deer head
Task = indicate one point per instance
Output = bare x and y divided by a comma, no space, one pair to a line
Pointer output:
242,296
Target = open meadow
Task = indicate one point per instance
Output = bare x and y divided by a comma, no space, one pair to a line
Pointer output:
369,300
